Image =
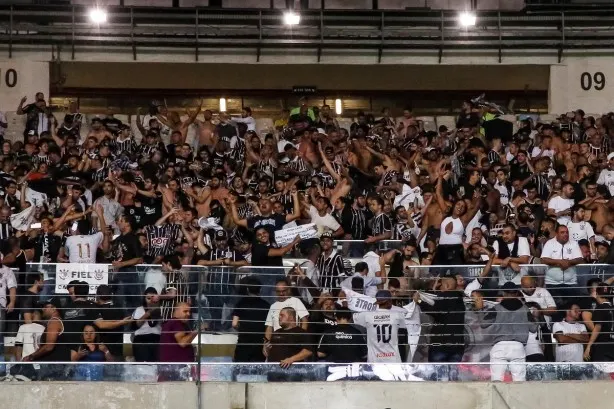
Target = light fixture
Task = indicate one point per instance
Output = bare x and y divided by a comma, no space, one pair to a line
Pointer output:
467,19
291,18
338,107
222,104
98,16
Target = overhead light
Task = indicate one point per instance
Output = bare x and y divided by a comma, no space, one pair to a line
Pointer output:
338,107
467,19
222,104
291,18
98,16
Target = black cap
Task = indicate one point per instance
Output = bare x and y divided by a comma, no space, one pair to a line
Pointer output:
55,301
326,235
510,286
383,296
221,235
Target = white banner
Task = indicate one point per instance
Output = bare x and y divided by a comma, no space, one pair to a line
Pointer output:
285,236
93,274
22,78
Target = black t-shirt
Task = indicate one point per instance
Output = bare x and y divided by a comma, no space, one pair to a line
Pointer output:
151,208
29,302
320,323
587,304
260,256
77,315
126,247
112,338
604,315
343,343
71,175
252,313
288,342
270,223
136,212
47,245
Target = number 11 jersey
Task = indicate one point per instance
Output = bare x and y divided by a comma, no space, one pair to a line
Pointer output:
82,249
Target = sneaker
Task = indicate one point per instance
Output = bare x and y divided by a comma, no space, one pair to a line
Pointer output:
22,378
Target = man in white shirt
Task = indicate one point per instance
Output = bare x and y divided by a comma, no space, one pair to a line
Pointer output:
323,220
8,298
82,246
369,283
538,295
562,255
580,229
382,327
282,289
570,336
560,206
512,251
606,177
246,118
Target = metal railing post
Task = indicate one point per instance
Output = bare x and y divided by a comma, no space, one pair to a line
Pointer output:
198,346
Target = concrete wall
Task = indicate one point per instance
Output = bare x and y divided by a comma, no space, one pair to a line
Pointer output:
339,395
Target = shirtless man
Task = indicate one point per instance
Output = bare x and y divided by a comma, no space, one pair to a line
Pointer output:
173,121
98,131
388,162
206,130
433,216
596,207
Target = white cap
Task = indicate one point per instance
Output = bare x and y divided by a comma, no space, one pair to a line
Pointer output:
320,130
610,156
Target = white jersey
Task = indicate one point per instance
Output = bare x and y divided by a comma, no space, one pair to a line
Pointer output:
82,249
28,337
382,334
358,302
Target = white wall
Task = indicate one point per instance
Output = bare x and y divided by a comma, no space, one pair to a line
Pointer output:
566,92
308,395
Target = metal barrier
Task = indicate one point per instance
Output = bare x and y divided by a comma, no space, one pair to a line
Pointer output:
214,294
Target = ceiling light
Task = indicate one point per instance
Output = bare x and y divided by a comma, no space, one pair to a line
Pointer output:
291,18
338,107
467,19
222,104
98,16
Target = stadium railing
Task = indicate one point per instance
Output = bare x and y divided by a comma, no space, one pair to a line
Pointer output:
215,345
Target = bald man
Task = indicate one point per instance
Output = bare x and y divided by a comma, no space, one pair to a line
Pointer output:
538,295
177,336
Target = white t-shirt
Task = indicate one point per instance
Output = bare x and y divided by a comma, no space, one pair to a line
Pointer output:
523,247
156,279
543,298
370,284
504,194
145,329
372,260
382,334
28,337
272,318
82,249
408,196
557,251
546,153
569,352
580,231
558,204
358,302
606,177
323,223
7,281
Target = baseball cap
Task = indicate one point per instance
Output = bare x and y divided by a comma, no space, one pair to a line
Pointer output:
326,235
383,296
55,301
610,155
221,235
510,286
31,132
603,243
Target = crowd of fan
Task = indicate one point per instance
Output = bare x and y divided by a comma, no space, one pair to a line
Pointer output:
477,194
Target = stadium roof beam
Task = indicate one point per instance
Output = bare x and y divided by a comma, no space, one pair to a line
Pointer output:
22,26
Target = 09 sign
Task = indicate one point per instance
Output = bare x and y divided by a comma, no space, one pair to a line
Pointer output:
594,81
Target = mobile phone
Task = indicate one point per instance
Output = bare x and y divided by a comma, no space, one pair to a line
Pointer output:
35,226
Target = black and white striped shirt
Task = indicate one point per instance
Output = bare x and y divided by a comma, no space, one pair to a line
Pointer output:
6,231
101,174
175,280
125,147
494,158
146,150
381,224
354,222
389,177
543,187
221,280
331,270
161,239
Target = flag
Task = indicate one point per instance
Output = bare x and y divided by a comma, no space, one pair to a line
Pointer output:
22,220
